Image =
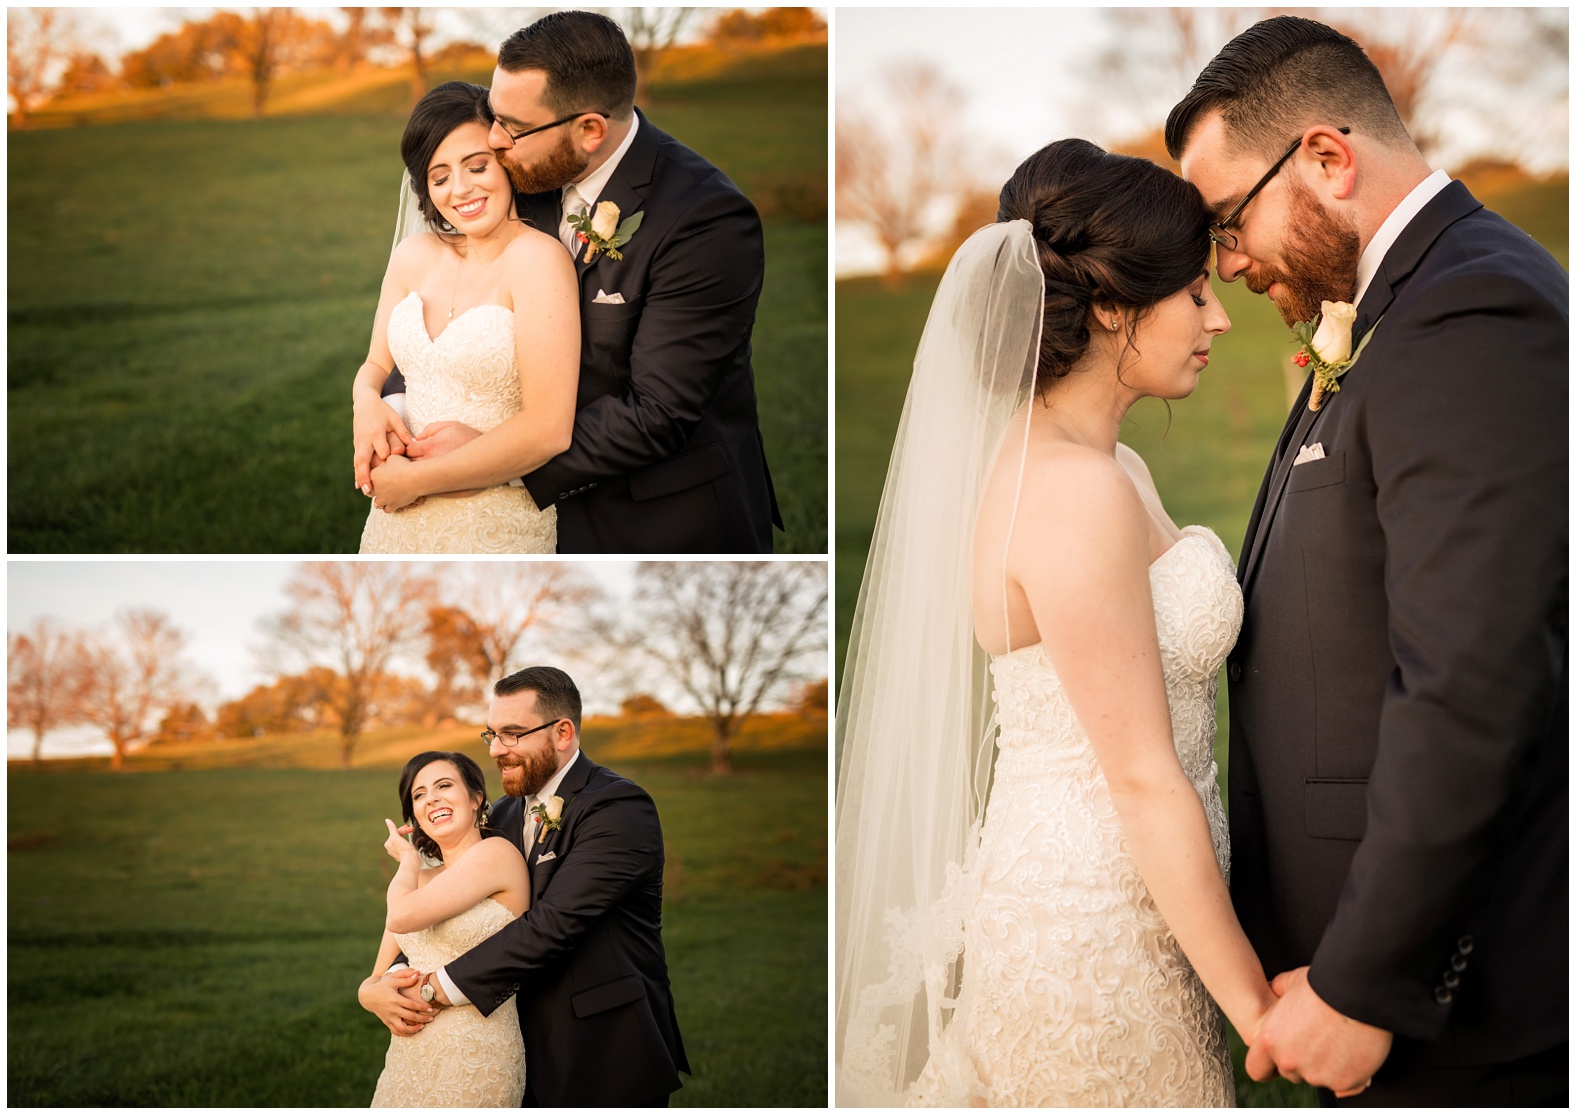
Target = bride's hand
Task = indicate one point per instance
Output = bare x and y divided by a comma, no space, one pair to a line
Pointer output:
378,433
398,847
393,484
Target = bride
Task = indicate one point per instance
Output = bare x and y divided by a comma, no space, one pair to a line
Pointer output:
480,313
1064,939
459,1058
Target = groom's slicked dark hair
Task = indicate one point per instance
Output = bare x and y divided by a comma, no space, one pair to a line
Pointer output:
588,62
556,695
1280,77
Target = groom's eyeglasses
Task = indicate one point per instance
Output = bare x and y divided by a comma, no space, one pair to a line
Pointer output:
516,138
512,738
1220,232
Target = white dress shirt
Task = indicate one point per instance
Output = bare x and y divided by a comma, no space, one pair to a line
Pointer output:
1401,216
591,186
456,997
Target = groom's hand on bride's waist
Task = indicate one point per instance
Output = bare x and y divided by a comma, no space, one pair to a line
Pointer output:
438,438
395,997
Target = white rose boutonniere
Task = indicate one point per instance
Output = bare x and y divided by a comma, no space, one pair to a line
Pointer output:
601,231
551,815
1327,345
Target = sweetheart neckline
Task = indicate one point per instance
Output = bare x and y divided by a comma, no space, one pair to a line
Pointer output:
431,340
1196,530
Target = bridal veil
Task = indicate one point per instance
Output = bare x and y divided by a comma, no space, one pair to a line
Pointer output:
914,714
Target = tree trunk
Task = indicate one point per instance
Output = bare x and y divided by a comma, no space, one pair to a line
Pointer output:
347,744
38,747
722,752
118,760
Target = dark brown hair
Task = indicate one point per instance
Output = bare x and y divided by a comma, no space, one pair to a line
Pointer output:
587,60
470,774
556,695
1111,230
1280,77
450,105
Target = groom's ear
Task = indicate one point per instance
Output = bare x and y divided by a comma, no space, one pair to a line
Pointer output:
590,131
1336,170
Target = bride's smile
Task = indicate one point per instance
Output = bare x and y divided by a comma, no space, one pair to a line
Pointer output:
463,179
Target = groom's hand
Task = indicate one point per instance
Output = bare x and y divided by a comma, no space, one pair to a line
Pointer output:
395,997
438,438
1308,1041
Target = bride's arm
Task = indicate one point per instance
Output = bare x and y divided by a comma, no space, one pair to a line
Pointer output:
1081,553
493,868
375,422
545,293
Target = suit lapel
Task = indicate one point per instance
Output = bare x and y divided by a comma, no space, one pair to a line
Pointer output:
627,187
573,783
1443,210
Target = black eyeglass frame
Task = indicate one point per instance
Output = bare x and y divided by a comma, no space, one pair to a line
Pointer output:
1220,232
513,139
488,735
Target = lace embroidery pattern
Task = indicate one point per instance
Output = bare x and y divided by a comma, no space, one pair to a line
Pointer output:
459,1059
470,375
1073,991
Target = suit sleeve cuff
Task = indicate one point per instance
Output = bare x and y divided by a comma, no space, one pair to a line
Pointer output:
452,990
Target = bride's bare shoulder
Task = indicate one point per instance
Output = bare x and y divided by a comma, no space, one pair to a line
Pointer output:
1077,491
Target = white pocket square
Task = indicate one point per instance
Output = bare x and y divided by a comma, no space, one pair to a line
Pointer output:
614,299
544,858
1314,452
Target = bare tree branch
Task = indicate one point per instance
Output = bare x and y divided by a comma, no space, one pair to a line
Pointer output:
42,681
731,635
126,681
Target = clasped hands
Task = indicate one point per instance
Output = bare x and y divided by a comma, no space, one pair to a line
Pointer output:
1304,1039
395,997
385,448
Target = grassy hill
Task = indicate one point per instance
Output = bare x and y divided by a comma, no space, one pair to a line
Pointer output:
1207,453
194,937
191,293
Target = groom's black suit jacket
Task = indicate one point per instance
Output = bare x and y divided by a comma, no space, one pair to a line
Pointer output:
1399,709
666,455
585,962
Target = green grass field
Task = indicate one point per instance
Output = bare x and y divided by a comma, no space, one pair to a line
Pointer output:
189,300
1207,453
195,938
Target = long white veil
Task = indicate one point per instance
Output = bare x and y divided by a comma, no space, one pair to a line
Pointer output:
408,221
915,712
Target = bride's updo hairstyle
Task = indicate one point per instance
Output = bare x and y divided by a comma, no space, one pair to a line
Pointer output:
470,774
1111,230
436,115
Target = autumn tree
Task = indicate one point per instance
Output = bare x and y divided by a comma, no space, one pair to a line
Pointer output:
86,73
731,635
39,41
130,677
455,659
510,604
811,698
643,706
293,703
412,30
739,25
893,172
354,617
43,685
183,722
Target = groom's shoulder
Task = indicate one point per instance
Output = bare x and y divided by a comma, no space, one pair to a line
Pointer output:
680,170
610,785
1486,253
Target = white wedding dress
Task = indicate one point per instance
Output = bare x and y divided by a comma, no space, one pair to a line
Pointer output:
470,375
459,1059
1073,991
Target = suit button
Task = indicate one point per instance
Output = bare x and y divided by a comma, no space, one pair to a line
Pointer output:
563,495
1234,670
1452,980
1458,962
1443,996
1464,946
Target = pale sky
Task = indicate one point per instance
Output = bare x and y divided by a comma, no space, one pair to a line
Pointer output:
216,602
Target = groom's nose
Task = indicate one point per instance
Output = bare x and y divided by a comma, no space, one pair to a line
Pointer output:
1230,264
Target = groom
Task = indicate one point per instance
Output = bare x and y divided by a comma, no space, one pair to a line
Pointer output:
1399,768
586,960
666,455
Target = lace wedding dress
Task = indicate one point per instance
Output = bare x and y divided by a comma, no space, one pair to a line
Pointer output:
468,375
1073,991
459,1059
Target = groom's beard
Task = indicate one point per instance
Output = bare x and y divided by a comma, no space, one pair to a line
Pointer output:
558,168
527,774
1320,257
